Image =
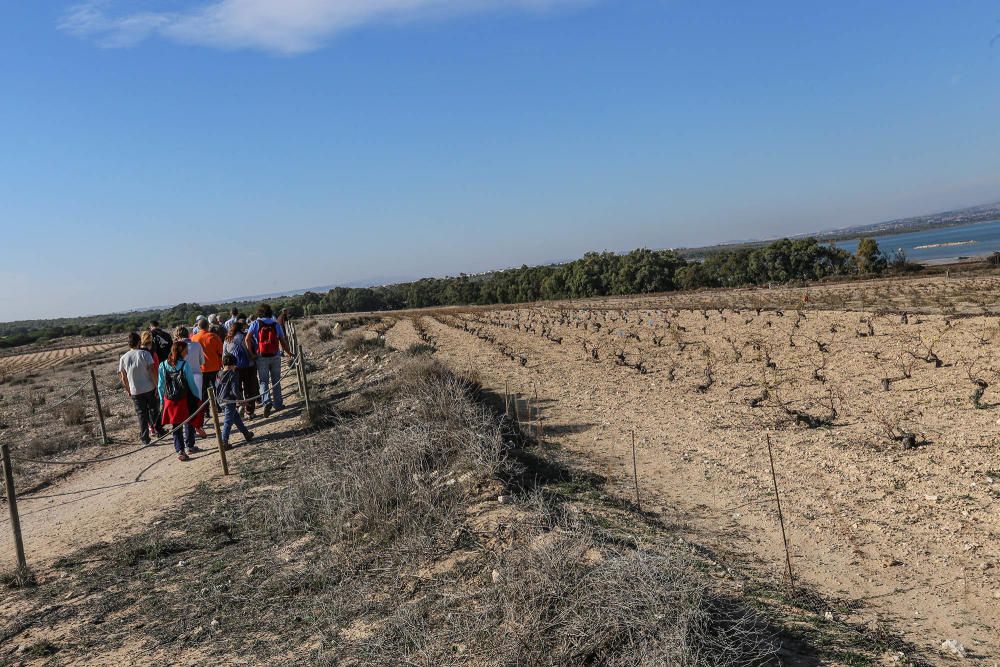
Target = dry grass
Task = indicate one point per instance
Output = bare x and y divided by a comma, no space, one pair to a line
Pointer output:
357,341
381,478
73,413
324,332
392,488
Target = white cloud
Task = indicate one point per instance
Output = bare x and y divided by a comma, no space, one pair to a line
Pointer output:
280,26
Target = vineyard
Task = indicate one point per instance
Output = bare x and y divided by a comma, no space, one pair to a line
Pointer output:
883,424
24,363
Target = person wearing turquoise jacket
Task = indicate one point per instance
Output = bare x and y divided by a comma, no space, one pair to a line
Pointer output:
178,400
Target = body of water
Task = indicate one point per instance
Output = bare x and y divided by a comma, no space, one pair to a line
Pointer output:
939,245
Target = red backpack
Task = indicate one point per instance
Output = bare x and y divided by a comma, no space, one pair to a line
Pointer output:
267,339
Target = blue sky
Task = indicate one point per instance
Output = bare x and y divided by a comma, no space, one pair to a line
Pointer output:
162,151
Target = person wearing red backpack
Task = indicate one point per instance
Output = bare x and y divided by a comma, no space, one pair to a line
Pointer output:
265,340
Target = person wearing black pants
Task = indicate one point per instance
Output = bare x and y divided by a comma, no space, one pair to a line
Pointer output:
138,375
147,408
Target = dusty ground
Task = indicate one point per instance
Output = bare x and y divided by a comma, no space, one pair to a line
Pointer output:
912,534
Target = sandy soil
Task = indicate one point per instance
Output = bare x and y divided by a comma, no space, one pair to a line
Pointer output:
910,534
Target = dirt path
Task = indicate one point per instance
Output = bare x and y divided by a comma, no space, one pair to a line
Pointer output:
909,535
107,500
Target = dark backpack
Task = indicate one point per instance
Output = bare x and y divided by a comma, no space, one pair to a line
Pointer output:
174,385
161,342
267,339
227,386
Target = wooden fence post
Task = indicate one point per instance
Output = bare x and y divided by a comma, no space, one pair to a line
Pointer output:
15,521
295,361
218,429
100,411
301,367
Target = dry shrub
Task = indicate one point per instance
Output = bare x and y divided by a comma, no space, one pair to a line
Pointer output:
46,445
417,349
629,608
74,413
559,601
35,401
324,333
356,341
390,476
388,492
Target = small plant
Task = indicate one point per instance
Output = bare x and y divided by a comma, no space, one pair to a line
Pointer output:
892,429
18,578
357,342
324,333
35,400
74,414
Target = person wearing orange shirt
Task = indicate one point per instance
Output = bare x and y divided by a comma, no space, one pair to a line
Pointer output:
211,345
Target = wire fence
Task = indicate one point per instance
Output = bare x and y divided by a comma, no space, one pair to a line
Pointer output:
110,393
201,409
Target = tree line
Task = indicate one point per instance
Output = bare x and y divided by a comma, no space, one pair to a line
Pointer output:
595,274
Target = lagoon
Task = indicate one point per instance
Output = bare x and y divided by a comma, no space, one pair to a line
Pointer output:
932,246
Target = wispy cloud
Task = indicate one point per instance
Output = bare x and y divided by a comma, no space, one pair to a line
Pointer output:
279,26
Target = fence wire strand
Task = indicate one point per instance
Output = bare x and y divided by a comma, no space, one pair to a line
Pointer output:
169,434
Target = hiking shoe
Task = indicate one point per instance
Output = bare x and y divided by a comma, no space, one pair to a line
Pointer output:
144,441
183,457
279,407
193,448
226,446
161,433
267,411
248,436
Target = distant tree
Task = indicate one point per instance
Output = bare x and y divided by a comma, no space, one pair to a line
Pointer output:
869,257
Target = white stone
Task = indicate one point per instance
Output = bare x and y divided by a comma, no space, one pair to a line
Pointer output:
954,647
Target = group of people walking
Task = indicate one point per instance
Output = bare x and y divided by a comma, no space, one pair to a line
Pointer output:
168,377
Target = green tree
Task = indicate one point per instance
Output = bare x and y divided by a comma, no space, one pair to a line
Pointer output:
869,257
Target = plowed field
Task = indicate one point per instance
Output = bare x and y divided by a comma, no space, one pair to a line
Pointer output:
886,461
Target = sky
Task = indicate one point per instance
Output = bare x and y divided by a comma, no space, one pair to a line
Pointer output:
154,152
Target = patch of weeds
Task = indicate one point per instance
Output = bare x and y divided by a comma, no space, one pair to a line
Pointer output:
47,445
416,349
43,648
356,341
803,615
74,413
324,333
142,548
18,578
